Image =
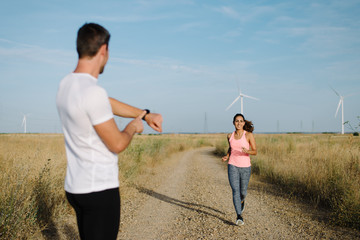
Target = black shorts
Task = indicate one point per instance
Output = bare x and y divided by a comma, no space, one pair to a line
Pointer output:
97,213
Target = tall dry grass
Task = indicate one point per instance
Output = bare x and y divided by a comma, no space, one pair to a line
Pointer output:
31,181
147,151
32,171
324,169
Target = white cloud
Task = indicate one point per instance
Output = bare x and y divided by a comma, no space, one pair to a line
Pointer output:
316,30
246,13
131,18
166,64
11,49
189,26
325,41
228,11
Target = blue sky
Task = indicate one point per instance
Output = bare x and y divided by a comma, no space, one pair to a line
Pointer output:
184,59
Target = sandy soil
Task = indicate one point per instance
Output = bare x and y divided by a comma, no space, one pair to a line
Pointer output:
189,197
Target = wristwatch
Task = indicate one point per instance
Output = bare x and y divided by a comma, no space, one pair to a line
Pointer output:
147,112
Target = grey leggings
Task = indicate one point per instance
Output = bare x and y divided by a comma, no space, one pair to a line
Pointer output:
239,179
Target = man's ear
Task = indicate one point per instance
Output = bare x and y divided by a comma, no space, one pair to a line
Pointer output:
103,49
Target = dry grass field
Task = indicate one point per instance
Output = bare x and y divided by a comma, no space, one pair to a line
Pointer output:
32,167
324,169
31,181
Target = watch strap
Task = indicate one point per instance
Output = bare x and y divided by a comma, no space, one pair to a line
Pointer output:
147,112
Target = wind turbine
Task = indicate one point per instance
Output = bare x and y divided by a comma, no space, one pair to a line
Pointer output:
24,122
205,124
241,96
341,102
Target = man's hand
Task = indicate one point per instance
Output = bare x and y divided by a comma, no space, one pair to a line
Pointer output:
137,123
154,120
115,140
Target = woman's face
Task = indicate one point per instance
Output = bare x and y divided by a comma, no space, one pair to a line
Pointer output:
239,123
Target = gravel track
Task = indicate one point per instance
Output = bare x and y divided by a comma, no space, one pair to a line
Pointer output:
189,197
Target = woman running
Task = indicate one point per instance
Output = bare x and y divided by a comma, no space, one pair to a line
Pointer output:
241,145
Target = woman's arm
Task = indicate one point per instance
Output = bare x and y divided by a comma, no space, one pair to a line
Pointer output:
226,157
252,143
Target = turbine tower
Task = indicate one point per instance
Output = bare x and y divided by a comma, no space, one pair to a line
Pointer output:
241,96
341,103
24,123
205,124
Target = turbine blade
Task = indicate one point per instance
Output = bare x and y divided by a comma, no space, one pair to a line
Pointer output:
334,91
338,107
351,94
249,97
232,103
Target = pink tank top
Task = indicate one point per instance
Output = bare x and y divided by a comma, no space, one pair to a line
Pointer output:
237,157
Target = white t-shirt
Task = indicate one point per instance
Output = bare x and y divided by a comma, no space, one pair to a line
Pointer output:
81,104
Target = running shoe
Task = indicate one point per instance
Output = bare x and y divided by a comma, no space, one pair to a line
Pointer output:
239,220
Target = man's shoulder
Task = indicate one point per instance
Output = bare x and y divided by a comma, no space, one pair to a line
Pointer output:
91,88
84,86
83,77
94,91
66,79
83,81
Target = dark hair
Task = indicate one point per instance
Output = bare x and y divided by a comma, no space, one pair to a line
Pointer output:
90,38
249,127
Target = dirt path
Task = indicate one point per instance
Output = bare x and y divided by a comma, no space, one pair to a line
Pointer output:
189,197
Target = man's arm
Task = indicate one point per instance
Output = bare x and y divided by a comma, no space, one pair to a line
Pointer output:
124,110
154,120
117,141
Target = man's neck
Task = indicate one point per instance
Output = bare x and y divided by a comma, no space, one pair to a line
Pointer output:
89,66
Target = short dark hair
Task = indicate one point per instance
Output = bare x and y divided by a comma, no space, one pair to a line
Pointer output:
90,38
249,127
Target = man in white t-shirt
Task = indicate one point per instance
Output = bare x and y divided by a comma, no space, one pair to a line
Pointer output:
92,139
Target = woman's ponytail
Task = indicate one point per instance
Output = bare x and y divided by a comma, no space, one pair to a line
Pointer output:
249,127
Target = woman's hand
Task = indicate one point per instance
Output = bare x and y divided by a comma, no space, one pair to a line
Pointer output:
248,151
225,158
245,150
